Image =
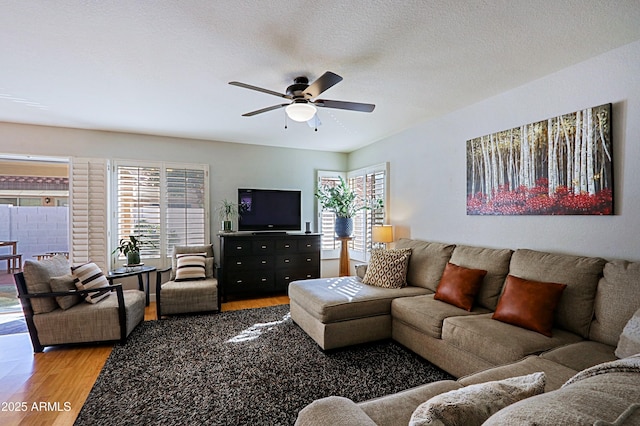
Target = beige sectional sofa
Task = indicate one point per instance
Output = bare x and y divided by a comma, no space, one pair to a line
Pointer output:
599,299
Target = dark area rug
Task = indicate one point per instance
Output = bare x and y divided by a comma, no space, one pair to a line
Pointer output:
245,367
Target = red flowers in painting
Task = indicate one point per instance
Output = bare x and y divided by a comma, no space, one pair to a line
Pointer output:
536,201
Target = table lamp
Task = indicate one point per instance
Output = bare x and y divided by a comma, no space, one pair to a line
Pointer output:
382,234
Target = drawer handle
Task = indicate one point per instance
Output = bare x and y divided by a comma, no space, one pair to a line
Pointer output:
238,263
264,262
263,280
287,278
308,245
239,282
239,248
308,275
287,246
264,247
308,259
286,261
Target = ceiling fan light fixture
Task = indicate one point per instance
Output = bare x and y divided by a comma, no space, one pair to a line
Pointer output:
300,111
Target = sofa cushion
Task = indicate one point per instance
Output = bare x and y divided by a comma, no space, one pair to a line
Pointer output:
89,276
397,408
87,322
494,261
498,342
619,283
556,374
388,268
629,343
345,298
427,261
592,398
65,283
529,304
426,314
581,274
472,405
37,275
459,286
190,266
581,355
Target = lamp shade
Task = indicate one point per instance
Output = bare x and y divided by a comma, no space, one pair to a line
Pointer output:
301,112
382,234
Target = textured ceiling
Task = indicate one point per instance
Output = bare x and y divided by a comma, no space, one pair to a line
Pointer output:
161,67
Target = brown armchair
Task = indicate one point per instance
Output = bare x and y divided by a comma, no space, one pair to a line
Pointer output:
199,294
56,312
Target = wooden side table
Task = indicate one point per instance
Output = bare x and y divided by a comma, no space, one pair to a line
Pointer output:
344,256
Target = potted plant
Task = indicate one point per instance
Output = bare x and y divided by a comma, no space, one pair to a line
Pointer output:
228,211
345,203
130,247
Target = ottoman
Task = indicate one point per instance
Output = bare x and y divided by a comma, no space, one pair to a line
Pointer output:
338,312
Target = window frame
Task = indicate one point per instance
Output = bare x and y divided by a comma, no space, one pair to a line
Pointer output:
365,239
163,257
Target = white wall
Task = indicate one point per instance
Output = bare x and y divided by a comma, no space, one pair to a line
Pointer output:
428,164
230,165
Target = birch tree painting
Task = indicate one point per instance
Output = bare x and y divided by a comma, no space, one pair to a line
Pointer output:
560,166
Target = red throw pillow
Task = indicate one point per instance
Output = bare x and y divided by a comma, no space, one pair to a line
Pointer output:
459,286
529,304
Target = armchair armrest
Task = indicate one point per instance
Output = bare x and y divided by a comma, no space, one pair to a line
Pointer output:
80,293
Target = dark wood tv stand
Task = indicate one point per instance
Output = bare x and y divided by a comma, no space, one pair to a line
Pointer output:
266,262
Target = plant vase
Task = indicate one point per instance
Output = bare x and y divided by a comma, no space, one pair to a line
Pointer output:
344,226
133,258
227,226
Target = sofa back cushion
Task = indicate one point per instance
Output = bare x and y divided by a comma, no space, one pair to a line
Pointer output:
494,261
580,274
427,262
617,298
37,275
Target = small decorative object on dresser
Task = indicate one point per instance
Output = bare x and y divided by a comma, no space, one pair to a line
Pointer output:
228,212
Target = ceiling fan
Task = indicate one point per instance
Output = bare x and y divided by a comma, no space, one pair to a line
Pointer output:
303,97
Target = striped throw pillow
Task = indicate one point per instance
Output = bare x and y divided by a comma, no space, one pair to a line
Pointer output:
190,266
88,276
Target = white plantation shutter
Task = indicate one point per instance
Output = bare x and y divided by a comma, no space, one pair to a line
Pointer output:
186,197
166,204
370,184
327,219
88,206
138,206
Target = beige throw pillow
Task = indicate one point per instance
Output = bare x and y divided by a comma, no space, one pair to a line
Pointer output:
473,404
629,343
65,283
388,268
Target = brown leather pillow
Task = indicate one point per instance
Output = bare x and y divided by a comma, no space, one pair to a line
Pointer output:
459,286
529,304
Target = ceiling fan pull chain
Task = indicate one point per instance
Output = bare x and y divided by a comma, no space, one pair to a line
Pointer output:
285,120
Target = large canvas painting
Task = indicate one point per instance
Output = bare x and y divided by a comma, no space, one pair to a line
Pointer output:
559,166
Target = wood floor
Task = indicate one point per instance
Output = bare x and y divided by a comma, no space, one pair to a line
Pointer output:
50,388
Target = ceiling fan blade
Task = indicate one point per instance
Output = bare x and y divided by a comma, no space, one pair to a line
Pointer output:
260,89
352,106
260,111
324,82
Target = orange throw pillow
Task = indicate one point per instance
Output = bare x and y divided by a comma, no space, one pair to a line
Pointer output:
459,286
529,304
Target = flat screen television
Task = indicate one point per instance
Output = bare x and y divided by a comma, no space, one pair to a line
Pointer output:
269,210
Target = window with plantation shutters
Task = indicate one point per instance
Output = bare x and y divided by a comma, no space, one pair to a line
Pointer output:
165,204
369,184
